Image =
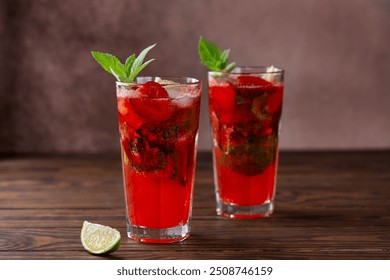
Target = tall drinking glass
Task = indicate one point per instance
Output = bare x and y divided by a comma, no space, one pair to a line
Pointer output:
245,108
158,125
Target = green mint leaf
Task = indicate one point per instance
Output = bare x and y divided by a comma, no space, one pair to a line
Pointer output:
123,72
213,57
129,63
119,71
210,54
138,62
135,72
105,60
230,67
225,56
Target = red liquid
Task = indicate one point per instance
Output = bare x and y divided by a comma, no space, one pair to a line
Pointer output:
245,115
158,146
240,189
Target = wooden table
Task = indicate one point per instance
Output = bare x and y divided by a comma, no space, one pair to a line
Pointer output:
329,205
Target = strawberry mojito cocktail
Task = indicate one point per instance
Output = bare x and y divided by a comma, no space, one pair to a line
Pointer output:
158,125
245,105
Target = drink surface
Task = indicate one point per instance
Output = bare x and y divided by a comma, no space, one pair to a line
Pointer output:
245,111
158,128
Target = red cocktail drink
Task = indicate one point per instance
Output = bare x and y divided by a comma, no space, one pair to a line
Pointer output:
158,124
245,109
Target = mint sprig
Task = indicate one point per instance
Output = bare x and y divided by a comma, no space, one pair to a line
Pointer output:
123,72
213,57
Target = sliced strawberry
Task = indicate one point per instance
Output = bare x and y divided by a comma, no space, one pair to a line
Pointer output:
126,114
226,118
253,81
274,100
153,103
222,101
243,114
156,110
153,90
250,86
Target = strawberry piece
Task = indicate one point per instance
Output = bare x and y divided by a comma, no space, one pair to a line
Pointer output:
126,114
253,81
274,100
222,101
243,114
156,110
249,86
153,90
153,103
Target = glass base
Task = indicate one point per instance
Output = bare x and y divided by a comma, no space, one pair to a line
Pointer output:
157,235
245,212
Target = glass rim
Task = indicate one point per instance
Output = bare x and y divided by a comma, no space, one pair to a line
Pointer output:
178,80
252,70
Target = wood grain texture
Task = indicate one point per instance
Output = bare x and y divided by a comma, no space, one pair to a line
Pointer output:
329,205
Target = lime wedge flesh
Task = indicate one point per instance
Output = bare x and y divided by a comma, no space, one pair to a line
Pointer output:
98,239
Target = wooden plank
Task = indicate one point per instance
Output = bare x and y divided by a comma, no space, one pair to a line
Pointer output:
314,240
328,206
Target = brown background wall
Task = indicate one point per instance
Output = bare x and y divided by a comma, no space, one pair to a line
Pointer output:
55,98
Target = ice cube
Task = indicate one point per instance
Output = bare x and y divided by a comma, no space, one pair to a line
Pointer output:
173,91
270,77
183,101
127,92
122,92
232,80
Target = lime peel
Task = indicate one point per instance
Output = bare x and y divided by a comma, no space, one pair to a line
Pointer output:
99,239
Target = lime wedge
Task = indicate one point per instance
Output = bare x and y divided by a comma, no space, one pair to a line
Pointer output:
98,239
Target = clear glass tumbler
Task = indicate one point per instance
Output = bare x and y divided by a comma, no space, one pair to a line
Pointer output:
158,125
245,108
